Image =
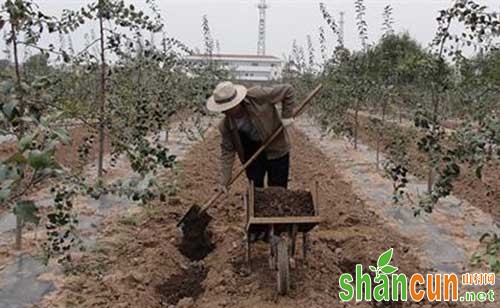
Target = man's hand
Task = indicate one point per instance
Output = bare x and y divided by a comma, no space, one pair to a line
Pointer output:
287,122
222,188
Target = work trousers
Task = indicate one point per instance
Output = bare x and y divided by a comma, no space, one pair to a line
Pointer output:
276,169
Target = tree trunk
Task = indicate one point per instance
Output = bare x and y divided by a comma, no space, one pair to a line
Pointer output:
400,114
356,125
430,176
19,232
19,92
380,132
430,180
18,77
102,102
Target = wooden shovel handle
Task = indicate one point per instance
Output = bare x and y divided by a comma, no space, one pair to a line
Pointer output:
298,111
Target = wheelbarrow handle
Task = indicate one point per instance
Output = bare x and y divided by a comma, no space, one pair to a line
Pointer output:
297,112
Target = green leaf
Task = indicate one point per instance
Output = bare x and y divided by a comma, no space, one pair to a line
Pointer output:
4,172
8,174
62,135
25,143
4,193
496,267
9,109
39,160
27,210
476,258
17,158
6,86
479,170
384,258
373,268
389,269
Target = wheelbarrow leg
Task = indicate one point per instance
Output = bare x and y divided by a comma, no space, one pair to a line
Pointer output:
273,248
247,251
293,237
292,234
305,245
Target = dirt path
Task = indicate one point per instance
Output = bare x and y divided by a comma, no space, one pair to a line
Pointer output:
139,265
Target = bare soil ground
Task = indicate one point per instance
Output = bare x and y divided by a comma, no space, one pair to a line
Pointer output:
483,193
6,150
68,155
137,262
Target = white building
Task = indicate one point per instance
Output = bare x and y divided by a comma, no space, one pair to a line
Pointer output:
245,67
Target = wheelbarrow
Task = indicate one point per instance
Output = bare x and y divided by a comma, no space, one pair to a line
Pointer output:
281,234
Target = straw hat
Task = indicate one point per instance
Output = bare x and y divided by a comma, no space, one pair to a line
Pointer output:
226,96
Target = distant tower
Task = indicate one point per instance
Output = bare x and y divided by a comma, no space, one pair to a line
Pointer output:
341,30
261,44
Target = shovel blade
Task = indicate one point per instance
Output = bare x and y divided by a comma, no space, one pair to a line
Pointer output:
191,215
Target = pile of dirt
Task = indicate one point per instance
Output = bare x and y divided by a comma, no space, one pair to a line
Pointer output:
483,193
278,201
187,284
196,241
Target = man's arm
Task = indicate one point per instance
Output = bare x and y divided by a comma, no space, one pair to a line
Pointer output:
227,155
283,93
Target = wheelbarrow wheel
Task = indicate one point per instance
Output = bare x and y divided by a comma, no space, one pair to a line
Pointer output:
283,274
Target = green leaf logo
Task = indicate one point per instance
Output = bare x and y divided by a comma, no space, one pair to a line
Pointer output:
388,269
384,258
383,267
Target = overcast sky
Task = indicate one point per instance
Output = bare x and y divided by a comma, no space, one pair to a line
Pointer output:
234,23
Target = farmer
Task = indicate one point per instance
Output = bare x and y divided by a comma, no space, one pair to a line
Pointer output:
250,119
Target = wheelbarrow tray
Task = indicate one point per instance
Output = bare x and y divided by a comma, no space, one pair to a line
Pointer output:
256,225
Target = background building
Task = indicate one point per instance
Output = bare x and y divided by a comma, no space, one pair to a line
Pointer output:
247,68
244,67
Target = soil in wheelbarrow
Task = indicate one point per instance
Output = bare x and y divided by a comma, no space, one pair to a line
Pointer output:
279,202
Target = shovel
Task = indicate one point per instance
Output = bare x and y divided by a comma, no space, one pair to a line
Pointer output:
197,213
